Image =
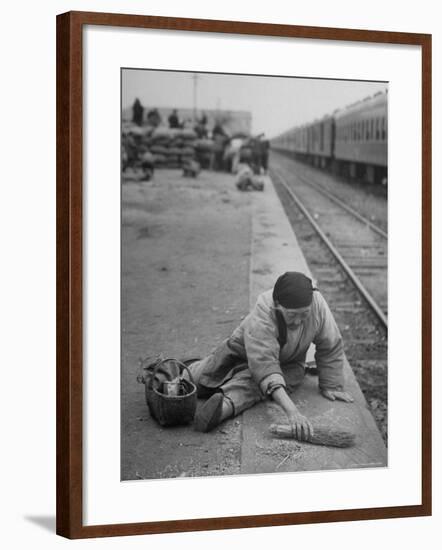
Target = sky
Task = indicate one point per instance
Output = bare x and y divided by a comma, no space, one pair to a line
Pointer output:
276,103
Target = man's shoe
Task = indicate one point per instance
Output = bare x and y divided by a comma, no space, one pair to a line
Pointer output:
208,416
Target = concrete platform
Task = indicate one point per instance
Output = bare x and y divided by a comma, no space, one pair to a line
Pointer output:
274,251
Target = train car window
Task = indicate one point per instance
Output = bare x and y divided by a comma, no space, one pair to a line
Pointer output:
383,128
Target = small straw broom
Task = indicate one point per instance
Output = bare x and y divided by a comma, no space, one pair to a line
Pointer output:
322,435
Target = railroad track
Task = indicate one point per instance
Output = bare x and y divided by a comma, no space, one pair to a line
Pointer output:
364,197
358,245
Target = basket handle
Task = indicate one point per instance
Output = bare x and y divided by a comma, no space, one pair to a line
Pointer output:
180,364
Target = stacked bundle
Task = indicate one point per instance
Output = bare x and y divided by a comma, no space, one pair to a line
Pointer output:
172,147
169,147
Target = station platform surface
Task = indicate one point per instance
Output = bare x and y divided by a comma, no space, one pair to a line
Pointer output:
195,255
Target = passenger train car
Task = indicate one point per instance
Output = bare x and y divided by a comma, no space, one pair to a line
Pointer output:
353,141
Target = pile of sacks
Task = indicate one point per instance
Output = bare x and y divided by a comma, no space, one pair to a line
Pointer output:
172,147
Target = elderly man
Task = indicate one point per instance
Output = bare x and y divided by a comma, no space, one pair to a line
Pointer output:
265,356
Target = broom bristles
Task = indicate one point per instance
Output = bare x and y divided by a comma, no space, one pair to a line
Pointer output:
322,435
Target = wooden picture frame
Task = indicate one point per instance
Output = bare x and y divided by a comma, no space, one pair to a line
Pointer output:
70,156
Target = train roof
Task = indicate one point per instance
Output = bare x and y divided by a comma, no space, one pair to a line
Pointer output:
377,100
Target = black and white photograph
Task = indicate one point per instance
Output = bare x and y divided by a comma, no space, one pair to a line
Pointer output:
254,254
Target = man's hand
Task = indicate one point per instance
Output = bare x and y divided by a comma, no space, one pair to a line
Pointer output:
301,428
339,395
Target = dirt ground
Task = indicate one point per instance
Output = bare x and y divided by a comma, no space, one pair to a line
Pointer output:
178,235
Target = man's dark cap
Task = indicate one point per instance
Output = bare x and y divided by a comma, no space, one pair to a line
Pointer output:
293,290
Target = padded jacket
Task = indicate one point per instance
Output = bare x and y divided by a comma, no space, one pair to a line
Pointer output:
254,345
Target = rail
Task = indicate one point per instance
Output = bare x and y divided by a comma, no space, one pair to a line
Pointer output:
348,270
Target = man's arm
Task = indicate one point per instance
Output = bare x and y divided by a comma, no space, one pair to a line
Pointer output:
262,349
330,356
301,427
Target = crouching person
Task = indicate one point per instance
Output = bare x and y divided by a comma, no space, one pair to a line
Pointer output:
265,356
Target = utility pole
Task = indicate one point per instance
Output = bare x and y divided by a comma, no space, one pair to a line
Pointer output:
195,77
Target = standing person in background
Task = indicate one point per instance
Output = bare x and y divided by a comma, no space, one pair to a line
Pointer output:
174,121
137,112
203,119
265,148
201,127
220,139
255,146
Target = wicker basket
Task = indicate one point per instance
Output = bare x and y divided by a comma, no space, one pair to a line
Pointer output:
171,410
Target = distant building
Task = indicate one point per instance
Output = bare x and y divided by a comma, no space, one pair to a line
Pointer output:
232,121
